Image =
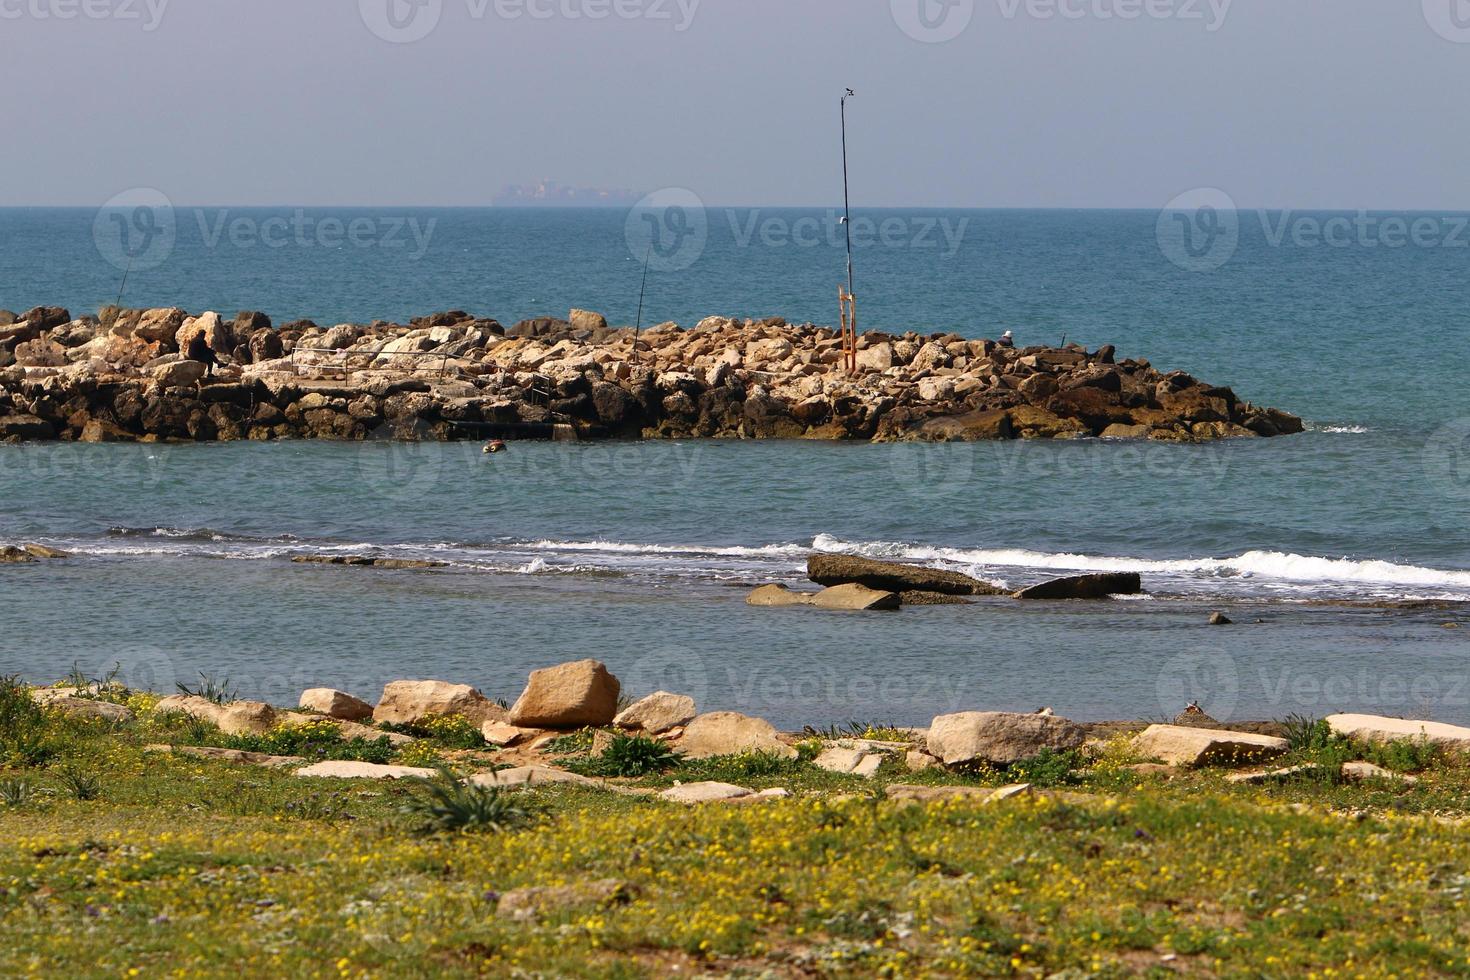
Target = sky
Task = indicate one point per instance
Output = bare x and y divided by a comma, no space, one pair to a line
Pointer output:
960,103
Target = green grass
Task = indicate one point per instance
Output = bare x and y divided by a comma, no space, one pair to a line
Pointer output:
199,867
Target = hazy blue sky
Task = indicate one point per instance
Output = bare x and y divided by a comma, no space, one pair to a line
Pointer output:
1056,103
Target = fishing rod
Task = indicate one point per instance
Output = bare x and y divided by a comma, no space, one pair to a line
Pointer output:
847,300
643,290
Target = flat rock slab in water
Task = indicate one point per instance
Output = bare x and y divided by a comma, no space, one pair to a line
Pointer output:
888,576
1098,586
365,561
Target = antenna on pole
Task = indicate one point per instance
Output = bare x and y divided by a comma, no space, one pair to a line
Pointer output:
846,300
638,328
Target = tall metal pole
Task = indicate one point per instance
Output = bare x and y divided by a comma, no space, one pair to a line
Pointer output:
846,202
641,293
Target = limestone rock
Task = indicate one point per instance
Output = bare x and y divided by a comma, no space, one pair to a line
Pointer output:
364,770
999,737
525,904
502,735
336,704
980,794
1180,746
1359,771
729,732
235,718
571,695
179,374
587,320
856,598
88,708
529,777
657,713
1098,586
414,702
1375,728
707,792
830,569
778,595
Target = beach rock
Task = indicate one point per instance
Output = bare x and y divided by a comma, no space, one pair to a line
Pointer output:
414,702
88,708
26,428
917,760
335,704
11,555
1376,728
999,737
178,374
657,713
778,595
1289,774
341,769
830,569
228,755
235,718
707,792
215,331
529,777
1099,586
1219,619
587,320
1359,771
857,598
1181,746
938,794
158,326
503,735
727,733
572,695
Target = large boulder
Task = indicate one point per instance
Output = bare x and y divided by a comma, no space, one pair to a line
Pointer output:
657,713
25,427
1098,586
572,695
344,769
1376,728
825,569
414,702
235,718
336,704
179,374
999,737
729,733
778,595
158,325
1181,746
587,320
216,333
88,708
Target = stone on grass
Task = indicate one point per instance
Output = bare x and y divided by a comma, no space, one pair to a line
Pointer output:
88,708
1180,746
1375,728
707,792
342,769
572,695
228,755
838,759
999,737
1358,771
415,702
1274,775
502,734
917,760
527,903
729,732
983,794
235,718
657,713
529,777
336,704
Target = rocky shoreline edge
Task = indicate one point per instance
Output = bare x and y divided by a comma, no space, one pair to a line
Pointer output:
121,377
572,715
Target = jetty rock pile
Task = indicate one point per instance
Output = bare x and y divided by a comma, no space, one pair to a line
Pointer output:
121,377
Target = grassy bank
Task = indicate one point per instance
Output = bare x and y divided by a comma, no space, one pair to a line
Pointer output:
118,861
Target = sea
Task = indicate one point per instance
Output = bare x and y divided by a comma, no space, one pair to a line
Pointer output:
1341,555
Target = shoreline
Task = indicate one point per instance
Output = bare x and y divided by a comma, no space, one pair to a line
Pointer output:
453,376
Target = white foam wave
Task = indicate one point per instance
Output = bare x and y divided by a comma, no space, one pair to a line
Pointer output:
1264,564
765,551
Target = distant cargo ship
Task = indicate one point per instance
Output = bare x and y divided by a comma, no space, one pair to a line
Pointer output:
548,193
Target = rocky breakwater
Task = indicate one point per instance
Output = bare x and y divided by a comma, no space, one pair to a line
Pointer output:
121,376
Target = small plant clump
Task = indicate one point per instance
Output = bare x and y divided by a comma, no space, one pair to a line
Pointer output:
443,804
220,691
630,756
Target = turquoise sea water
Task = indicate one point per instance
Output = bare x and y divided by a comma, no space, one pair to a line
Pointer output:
640,554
